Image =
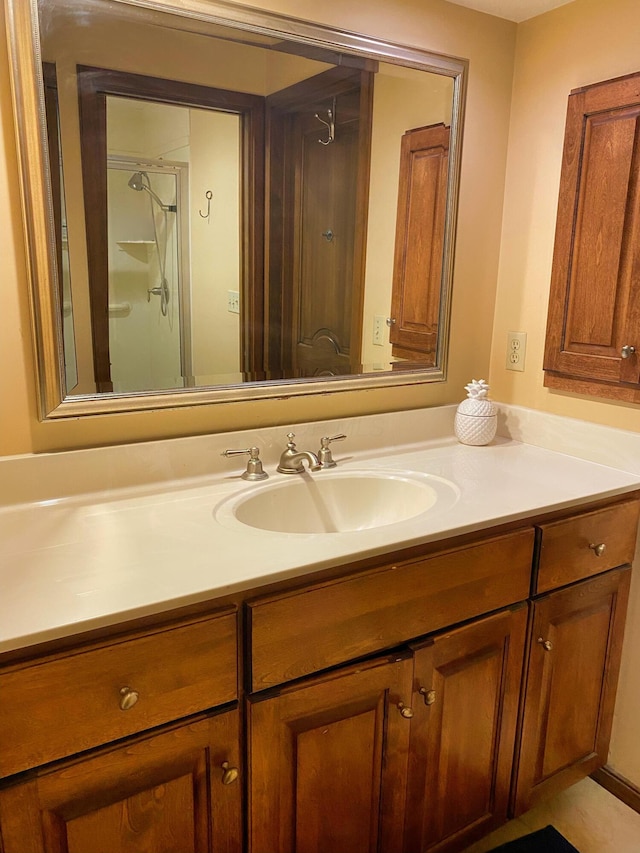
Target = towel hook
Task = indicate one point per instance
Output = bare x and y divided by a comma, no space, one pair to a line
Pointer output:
208,196
330,125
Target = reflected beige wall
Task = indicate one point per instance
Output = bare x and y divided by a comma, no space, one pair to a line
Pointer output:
401,101
215,242
435,25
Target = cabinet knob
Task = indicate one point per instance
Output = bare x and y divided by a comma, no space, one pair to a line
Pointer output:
128,698
598,550
627,351
405,711
429,696
547,645
230,773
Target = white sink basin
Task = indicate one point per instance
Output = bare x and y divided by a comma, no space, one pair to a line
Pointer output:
338,502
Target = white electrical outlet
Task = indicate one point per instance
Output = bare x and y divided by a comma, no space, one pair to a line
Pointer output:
379,328
516,349
233,301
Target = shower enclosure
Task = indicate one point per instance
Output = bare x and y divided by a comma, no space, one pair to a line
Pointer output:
149,302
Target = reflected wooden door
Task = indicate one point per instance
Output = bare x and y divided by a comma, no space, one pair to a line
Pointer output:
319,134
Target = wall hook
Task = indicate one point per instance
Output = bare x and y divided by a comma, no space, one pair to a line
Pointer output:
208,196
330,125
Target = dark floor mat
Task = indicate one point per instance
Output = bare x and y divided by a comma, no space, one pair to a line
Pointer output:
547,840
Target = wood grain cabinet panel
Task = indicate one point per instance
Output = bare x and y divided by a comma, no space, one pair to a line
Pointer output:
158,794
576,645
587,544
418,257
421,749
328,762
305,631
60,706
466,697
593,330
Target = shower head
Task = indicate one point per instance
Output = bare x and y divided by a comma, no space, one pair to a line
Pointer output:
137,183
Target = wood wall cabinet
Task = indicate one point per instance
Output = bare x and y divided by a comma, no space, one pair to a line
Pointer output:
593,329
408,704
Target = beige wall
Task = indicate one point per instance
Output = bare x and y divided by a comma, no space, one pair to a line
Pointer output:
583,42
489,43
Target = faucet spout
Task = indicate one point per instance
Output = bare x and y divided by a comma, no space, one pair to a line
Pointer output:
292,460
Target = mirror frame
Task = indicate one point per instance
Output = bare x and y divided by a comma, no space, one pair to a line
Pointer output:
28,95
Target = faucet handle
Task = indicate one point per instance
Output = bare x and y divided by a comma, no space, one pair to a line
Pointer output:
254,470
324,454
291,445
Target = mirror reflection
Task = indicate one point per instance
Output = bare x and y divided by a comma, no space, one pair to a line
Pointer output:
233,207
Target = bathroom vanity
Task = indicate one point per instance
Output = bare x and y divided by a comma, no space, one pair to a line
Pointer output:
406,688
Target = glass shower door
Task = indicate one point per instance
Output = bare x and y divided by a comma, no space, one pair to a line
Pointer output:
146,325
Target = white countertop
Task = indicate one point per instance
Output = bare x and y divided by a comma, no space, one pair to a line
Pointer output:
72,564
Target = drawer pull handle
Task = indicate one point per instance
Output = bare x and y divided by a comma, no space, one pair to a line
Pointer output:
547,645
405,711
230,773
429,696
627,351
598,550
128,698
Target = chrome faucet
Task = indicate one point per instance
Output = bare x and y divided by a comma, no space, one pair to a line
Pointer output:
292,460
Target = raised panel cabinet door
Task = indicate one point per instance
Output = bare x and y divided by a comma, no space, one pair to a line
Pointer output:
593,331
466,697
328,762
417,265
574,660
174,792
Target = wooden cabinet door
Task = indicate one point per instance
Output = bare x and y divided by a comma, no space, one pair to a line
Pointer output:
574,661
417,265
594,307
463,731
159,794
328,762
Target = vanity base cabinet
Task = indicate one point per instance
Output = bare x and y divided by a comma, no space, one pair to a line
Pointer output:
466,697
328,762
164,793
574,661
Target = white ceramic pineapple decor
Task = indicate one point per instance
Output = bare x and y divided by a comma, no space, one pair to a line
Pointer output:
477,417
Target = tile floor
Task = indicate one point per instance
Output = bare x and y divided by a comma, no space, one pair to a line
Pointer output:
592,819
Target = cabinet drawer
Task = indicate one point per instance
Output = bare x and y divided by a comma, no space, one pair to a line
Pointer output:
308,630
62,706
566,554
